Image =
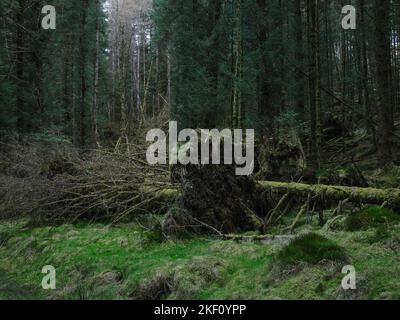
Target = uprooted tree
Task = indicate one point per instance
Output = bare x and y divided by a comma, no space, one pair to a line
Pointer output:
206,199
212,199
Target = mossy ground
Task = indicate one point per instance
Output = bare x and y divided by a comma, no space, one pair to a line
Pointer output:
372,216
310,248
129,261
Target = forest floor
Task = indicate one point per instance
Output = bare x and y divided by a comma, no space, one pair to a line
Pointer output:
132,261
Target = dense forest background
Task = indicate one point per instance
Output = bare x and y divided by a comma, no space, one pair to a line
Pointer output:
277,66
77,193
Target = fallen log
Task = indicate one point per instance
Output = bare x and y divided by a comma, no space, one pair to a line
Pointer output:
391,197
265,239
388,197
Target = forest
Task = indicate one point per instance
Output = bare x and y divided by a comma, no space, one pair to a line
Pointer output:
313,85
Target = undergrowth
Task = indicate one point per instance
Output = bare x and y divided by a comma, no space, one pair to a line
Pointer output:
310,248
133,261
371,217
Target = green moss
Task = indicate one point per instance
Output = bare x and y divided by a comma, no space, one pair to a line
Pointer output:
4,237
371,217
310,248
381,233
97,262
81,254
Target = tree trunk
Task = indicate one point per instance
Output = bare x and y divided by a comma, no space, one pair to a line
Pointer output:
336,193
82,70
390,197
299,59
369,123
384,82
94,129
237,104
21,119
315,95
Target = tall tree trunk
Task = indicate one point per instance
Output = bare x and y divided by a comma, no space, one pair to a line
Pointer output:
299,60
82,72
315,95
19,66
384,82
68,86
265,109
37,53
169,81
237,104
94,128
369,123
122,86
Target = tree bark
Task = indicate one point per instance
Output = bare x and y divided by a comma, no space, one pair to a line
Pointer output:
336,193
391,197
94,129
384,82
19,66
369,123
300,88
82,70
237,104
315,94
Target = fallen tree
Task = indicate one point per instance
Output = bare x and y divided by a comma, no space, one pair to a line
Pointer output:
109,186
212,199
311,198
388,197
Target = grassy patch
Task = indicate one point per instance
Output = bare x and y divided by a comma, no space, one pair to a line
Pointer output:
310,248
371,217
131,261
128,261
